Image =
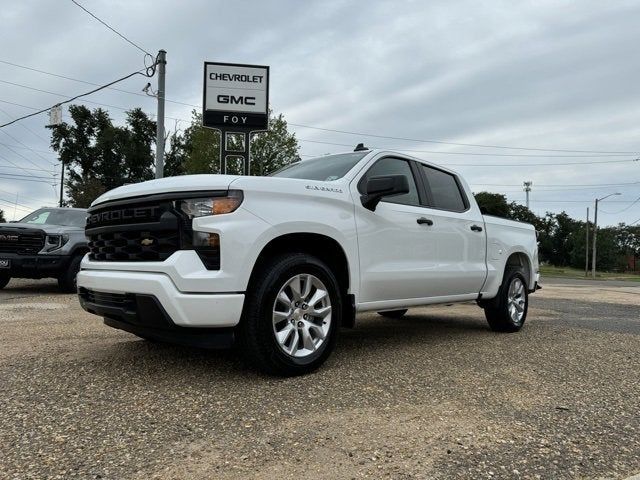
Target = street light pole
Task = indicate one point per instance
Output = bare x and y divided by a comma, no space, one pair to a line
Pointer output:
595,234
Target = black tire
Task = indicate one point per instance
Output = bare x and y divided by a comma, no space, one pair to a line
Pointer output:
4,280
393,313
257,339
67,281
498,311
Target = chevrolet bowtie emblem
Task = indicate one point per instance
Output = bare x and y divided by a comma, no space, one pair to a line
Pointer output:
146,242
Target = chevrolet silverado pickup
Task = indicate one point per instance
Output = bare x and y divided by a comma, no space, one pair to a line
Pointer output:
48,243
275,265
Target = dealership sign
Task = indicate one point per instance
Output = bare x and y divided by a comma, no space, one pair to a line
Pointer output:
236,97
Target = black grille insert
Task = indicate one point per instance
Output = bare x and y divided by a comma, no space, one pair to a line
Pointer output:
134,233
22,242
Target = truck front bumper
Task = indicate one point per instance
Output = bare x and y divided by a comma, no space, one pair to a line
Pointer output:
126,297
35,266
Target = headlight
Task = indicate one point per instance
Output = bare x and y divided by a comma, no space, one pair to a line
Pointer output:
202,207
54,242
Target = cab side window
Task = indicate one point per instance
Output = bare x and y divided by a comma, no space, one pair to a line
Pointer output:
394,166
445,192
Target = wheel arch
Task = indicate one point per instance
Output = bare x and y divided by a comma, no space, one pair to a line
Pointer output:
326,248
521,260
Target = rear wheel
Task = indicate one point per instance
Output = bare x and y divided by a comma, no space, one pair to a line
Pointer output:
393,313
4,280
291,316
508,311
67,281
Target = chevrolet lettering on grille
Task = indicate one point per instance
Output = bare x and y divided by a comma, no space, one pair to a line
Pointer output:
123,214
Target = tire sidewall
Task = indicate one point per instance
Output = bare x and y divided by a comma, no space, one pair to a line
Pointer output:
504,298
274,283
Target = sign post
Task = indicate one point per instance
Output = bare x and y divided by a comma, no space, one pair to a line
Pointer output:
235,102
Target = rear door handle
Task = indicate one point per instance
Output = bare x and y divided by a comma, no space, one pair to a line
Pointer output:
476,228
423,220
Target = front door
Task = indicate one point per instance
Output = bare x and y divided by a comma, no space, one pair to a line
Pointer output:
398,256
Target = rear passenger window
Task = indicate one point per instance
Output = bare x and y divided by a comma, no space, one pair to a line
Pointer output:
395,166
444,190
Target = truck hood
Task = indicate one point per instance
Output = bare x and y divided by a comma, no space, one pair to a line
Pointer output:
50,229
183,183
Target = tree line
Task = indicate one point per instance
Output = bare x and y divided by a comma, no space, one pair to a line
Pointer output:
100,156
562,240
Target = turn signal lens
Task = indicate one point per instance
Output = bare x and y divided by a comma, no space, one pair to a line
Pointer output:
202,207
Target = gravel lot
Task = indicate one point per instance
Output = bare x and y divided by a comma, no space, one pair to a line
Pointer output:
433,395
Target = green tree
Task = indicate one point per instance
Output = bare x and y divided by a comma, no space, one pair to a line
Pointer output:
2,219
493,204
99,155
197,149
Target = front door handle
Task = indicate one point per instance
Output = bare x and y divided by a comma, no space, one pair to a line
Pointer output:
476,228
423,220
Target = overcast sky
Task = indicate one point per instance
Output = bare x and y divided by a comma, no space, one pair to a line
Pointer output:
539,75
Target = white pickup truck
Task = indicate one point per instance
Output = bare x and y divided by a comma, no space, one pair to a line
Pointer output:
277,264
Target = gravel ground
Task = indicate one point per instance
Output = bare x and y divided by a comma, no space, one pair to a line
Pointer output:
433,395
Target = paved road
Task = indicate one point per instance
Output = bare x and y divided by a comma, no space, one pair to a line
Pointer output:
433,395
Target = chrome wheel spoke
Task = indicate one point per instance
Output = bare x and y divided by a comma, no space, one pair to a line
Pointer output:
307,341
284,334
320,312
301,315
318,331
318,296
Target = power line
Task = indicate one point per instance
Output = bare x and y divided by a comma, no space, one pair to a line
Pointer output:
112,29
23,168
147,74
623,210
28,179
27,148
597,152
38,200
618,154
405,139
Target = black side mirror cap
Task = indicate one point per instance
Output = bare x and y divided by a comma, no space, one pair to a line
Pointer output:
383,186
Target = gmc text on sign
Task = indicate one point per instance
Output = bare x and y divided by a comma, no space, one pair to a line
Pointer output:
235,96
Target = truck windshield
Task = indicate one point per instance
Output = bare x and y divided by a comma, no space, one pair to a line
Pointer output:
57,216
326,169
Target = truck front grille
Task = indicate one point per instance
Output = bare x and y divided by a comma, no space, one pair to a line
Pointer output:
145,232
134,245
14,240
146,229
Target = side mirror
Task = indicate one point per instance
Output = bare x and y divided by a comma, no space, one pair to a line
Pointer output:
383,186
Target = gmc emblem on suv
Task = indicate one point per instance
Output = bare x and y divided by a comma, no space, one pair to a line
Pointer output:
9,238
124,214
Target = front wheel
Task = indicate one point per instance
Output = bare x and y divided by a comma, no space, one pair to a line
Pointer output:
4,280
508,311
291,316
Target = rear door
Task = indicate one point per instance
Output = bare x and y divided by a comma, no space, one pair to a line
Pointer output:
457,231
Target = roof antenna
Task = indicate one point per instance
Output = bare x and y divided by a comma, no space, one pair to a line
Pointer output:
360,147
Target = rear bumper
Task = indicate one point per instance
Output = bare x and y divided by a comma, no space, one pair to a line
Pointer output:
189,310
35,266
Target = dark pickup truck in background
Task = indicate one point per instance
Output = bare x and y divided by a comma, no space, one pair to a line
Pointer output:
48,243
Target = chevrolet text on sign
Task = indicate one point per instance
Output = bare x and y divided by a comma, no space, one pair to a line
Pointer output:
235,96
